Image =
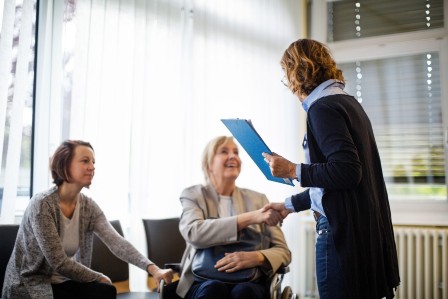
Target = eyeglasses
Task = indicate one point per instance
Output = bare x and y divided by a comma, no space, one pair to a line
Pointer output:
285,81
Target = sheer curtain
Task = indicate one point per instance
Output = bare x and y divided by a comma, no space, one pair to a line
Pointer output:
17,19
147,82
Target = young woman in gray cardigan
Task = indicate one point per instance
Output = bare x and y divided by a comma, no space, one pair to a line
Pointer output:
53,250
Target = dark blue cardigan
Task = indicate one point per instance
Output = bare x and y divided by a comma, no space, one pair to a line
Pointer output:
345,162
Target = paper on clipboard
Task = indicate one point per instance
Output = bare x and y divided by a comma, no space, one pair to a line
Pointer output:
253,144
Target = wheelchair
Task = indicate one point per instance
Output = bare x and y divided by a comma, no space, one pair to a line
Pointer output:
167,252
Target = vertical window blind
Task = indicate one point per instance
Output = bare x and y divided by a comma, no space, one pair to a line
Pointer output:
147,82
17,44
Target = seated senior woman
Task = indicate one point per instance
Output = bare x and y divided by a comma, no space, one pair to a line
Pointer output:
220,215
53,250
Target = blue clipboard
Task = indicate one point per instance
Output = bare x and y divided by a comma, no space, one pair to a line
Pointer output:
253,144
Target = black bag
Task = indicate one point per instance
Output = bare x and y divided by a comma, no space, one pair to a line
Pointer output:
203,265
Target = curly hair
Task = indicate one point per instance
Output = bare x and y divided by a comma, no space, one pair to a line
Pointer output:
307,63
62,157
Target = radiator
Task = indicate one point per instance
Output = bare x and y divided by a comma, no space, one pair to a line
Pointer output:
422,258
423,262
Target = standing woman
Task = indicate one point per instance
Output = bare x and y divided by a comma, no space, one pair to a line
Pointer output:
355,248
53,250
214,214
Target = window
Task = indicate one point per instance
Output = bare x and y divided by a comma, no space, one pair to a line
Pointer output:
358,19
402,97
394,58
16,103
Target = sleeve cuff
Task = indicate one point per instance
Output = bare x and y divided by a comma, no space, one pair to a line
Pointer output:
299,172
289,205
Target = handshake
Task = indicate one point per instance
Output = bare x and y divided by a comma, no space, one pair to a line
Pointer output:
273,213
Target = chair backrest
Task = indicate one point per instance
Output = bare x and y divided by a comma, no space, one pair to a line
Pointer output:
104,261
165,243
8,235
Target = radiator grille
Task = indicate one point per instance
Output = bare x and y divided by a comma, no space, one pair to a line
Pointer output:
423,261
422,258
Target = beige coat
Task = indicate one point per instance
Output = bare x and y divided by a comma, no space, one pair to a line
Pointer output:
201,227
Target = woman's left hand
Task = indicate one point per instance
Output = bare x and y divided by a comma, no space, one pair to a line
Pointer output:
235,261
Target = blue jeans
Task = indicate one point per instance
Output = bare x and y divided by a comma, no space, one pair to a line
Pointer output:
330,280
214,289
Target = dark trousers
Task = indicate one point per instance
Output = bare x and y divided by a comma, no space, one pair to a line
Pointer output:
214,289
330,279
89,290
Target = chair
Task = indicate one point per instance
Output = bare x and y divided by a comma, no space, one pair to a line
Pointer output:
164,248
8,235
104,261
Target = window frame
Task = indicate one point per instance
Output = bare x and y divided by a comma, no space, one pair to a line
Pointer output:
47,109
404,212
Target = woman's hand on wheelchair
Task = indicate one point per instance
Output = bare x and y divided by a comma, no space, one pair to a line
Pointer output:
159,274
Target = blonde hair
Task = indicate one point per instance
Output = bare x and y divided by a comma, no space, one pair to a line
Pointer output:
209,153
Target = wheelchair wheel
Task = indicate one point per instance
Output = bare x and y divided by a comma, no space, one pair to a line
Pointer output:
287,293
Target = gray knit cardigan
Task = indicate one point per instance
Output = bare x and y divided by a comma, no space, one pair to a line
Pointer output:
38,249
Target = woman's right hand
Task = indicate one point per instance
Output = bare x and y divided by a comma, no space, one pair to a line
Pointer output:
271,216
159,274
280,167
268,216
279,207
105,279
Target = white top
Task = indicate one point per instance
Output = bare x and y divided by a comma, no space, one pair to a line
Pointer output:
225,206
70,240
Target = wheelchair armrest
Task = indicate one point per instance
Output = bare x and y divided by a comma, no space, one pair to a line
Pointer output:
283,270
174,266
276,282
